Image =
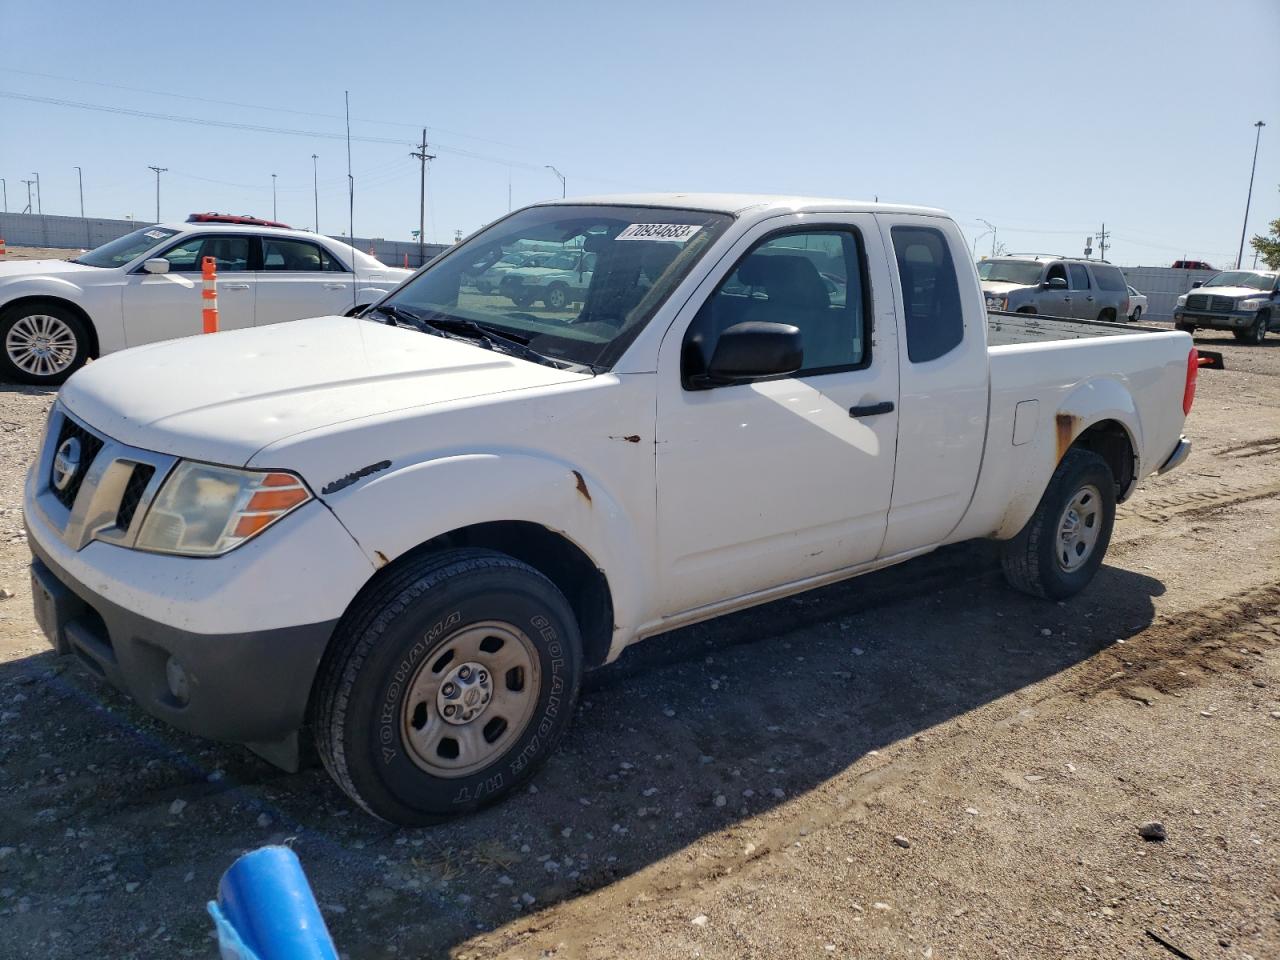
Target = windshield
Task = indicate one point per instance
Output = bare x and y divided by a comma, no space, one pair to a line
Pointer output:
124,249
634,257
1010,271
1241,278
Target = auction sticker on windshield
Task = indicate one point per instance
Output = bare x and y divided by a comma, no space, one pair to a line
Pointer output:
679,232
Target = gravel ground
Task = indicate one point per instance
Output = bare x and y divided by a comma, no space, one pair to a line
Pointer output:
918,763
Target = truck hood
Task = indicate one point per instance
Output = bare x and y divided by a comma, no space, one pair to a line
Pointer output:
42,268
223,397
1235,293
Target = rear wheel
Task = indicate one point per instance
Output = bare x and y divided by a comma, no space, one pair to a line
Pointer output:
1107,316
1060,549
43,343
447,686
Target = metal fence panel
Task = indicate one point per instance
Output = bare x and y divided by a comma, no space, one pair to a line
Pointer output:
1162,286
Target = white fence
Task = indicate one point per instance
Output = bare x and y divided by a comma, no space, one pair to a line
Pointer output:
41,230
1162,286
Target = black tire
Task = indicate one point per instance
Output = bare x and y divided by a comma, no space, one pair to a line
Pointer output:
521,298
558,297
1136,316
1028,310
1031,560
1258,332
72,333
1185,327
1107,316
405,628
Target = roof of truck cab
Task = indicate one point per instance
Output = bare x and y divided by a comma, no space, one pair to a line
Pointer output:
740,203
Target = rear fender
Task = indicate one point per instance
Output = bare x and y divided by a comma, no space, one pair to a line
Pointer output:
1089,403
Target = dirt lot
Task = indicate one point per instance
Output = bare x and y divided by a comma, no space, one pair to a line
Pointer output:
734,789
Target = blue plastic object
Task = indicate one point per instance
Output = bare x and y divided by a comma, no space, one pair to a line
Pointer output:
265,910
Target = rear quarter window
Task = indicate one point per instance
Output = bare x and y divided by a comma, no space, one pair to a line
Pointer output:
1109,278
930,292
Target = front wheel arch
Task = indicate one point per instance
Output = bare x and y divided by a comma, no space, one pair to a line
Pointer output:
38,299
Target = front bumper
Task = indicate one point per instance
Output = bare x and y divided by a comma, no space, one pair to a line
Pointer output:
1175,459
1234,320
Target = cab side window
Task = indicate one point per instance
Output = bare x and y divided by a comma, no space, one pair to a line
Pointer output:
298,256
1057,271
231,254
930,292
812,280
1079,276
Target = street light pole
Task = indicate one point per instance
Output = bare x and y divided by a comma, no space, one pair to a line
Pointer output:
80,176
992,228
273,197
1248,200
315,187
560,175
4,188
158,170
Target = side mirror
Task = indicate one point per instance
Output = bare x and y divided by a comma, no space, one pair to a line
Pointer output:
1197,283
1055,283
750,351
156,265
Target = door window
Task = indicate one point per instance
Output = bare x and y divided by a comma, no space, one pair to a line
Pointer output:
230,253
930,292
1056,271
812,280
297,256
1079,276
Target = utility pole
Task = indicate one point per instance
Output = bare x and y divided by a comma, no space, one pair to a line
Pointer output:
158,170
80,175
273,197
992,227
28,183
315,187
40,206
1254,169
422,157
1102,242
558,174
4,188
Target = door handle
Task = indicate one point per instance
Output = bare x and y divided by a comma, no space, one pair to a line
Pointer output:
872,409
335,286
235,286
1090,299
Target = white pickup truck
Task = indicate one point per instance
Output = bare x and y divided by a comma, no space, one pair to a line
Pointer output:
413,531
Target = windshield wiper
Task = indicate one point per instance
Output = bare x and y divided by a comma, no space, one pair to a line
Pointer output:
398,315
500,340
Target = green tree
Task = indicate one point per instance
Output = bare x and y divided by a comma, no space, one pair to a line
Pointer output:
1269,247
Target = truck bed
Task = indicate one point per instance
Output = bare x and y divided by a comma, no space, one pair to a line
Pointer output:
1006,329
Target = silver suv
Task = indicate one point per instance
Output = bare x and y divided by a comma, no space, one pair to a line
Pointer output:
1055,286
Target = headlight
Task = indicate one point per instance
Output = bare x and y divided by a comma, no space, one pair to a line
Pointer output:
1182,300
1255,304
203,510
996,302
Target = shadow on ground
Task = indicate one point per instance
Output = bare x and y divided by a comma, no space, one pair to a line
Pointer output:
120,826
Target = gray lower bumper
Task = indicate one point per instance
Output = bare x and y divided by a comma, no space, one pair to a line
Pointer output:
249,688
1180,453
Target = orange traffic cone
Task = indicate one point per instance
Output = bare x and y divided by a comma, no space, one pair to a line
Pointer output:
2,249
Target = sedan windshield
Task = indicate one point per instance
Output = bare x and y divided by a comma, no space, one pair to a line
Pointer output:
124,249
1010,271
587,313
1241,278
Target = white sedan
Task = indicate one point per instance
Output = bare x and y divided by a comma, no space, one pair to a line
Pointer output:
146,286
1137,305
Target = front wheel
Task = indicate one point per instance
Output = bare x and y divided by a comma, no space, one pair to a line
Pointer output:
1136,315
1060,549
557,297
1185,327
44,343
1258,332
447,686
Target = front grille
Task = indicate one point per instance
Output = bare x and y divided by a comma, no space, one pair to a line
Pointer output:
1198,302
1223,304
138,480
89,447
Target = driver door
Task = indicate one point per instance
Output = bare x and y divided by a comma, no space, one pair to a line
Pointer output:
1054,302
164,306
765,483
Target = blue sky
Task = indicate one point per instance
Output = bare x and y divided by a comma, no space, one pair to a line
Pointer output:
1045,119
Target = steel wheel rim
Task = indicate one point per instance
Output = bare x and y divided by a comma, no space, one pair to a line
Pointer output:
557,299
1078,529
466,742
41,345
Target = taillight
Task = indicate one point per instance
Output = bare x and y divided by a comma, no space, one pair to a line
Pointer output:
1193,372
